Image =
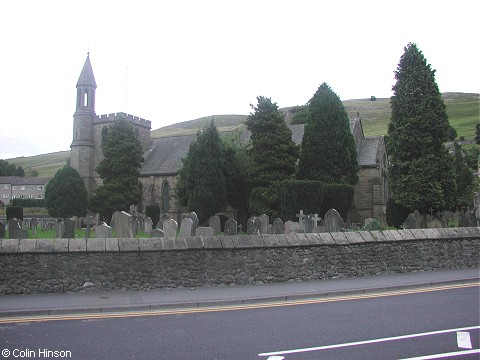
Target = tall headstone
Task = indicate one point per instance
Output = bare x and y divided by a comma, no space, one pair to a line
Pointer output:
194,217
103,231
70,226
291,227
170,227
333,221
148,227
15,230
265,221
186,227
435,223
59,229
311,222
214,223
253,226
33,226
301,217
231,227
278,227
414,221
123,224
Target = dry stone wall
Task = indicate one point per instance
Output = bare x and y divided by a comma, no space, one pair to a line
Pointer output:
73,265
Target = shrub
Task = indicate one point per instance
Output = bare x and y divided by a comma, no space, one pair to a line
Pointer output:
14,212
396,213
373,98
153,212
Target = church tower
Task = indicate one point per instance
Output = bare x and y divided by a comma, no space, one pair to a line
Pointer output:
82,147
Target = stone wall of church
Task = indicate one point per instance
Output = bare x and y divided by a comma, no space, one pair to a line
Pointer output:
153,194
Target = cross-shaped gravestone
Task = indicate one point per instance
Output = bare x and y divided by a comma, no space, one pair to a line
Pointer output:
300,217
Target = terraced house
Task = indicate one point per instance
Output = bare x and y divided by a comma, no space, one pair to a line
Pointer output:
163,156
14,187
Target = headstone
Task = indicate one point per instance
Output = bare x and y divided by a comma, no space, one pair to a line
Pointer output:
291,227
265,221
103,231
122,224
2,230
414,221
157,233
476,204
70,226
148,226
133,210
436,223
205,231
278,227
59,229
87,231
231,227
186,227
333,221
194,217
33,226
170,227
134,226
15,231
311,222
301,217
214,223
253,226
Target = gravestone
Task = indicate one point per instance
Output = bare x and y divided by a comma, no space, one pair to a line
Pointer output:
133,210
231,227
103,231
33,226
476,204
265,221
70,226
414,221
148,226
311,222
157,233
122,224
194,217
59,229
205,231
134,226
291,227
278,227
333,221
186,227
253,226
301,219
87,231
170,227
214,223
435,223
2,230
15,231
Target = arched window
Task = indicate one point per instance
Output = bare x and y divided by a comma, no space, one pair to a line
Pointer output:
85,99
165,196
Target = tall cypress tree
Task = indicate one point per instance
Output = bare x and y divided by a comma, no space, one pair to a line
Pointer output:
273,156
202,183
421,174
328,151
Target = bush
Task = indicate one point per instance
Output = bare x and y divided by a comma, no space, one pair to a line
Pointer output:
153,212
32,203
373,98
313,197
396,213
14,212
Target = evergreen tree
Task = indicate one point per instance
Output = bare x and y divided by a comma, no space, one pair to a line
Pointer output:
464,178
120,170
201,184
477,133
7,169
328,151
66,194
273,156
421,173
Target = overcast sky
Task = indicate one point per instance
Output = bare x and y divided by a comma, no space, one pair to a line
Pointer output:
172,61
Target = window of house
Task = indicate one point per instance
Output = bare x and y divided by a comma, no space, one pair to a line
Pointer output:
40,187
23,188
30,187
7,187
39,196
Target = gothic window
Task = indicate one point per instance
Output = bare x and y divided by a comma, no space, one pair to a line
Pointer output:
165,196
104,135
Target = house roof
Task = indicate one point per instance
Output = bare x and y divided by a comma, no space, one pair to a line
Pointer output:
8,179
86,76
31,181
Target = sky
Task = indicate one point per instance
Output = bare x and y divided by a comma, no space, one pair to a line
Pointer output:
173,61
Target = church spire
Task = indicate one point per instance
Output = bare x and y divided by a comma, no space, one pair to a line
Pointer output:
86,86
86,77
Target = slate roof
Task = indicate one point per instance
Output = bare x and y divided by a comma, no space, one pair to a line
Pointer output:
8,179
31,181
86,76
165,155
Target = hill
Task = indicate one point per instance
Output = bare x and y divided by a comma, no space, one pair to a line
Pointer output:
463,112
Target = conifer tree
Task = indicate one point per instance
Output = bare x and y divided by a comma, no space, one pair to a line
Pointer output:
328,151
421,174
201,185
273,156
120,170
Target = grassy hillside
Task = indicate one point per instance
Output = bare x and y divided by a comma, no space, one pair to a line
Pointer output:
463,112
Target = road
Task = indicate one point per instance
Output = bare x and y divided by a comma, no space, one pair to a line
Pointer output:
408,324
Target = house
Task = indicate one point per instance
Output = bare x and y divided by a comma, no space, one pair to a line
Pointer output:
14,187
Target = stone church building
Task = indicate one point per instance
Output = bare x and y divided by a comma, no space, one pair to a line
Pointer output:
163,156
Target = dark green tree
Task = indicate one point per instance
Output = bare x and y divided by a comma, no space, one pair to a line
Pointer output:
8,169
273,156
201,184
66,194
421,173
328,151
477,133
119,170
464,178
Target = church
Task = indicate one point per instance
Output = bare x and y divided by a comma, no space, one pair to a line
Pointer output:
163,156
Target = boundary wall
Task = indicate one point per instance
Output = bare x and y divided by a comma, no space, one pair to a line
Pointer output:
74,265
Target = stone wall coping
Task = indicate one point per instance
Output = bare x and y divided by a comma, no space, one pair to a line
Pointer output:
78,245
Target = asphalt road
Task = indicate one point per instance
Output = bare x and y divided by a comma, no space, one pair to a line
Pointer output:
411,325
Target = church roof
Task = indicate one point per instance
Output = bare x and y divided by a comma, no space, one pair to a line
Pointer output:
368,150
86,76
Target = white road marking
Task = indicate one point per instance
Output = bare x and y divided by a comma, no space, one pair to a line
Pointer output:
445,355
276,358
335,346
463,340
